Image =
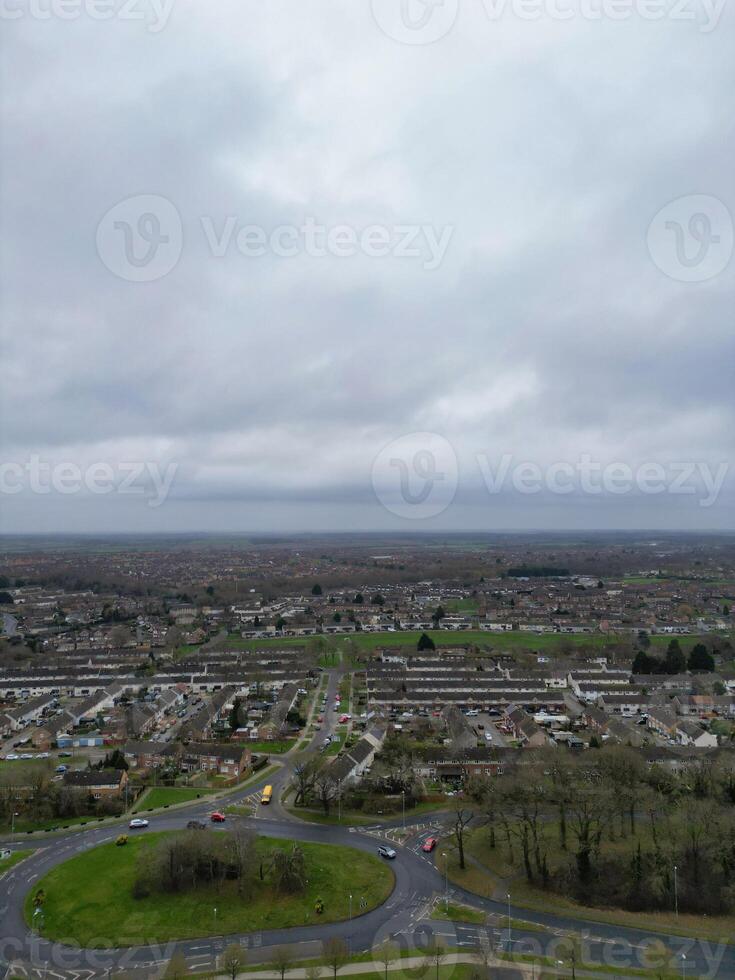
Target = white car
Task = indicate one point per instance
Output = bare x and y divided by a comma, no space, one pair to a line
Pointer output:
138,823
12,757
386,852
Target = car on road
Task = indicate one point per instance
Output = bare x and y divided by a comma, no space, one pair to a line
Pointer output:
138,823
386,852
488,736
429,844
218,817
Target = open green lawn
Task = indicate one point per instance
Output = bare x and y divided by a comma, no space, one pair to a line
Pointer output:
89,898
457,913
7,863
358,818
512,640
56,823
167,795
276,747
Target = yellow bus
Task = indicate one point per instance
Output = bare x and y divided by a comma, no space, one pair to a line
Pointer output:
267,793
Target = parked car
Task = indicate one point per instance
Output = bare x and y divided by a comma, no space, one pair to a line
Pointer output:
138,823
429,844
386,852
196,825
218,817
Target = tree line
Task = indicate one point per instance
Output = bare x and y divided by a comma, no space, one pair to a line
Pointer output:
606,829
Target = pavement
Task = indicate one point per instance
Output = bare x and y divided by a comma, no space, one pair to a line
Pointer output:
404,918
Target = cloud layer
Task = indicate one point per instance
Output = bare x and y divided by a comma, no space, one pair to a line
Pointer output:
546,330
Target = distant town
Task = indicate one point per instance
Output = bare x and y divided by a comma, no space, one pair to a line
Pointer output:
509,710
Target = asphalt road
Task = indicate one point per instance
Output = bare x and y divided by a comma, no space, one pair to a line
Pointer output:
404,917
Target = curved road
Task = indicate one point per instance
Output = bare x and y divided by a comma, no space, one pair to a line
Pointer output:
403,916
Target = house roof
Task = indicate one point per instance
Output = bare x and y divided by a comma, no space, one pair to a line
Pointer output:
94,777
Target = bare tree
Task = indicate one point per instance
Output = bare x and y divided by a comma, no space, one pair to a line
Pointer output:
326,788
177,968
282,960
242,843
305,775
335,954
436,953
313,971
460,818
386,954
233,960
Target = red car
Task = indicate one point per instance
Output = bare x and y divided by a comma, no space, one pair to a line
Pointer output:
217,817
429,844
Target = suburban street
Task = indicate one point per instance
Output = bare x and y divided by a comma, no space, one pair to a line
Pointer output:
404,917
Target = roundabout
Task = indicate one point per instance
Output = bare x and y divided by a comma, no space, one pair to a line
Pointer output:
93,899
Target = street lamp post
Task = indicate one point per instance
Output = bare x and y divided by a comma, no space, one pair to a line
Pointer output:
215,919
403,802
446,880
350,908
510,928
12,822
683,965
676,893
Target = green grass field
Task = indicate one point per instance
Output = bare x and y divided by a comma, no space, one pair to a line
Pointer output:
15,858
89,898
57,823
167,796
276,747
457,913
512,640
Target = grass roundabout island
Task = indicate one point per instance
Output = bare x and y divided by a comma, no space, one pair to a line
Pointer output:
95,899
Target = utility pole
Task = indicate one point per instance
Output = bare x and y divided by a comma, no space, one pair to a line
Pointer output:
510,928
403,801
676,893
446,881
350,908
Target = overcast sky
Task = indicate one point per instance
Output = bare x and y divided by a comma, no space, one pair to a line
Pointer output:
291,266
